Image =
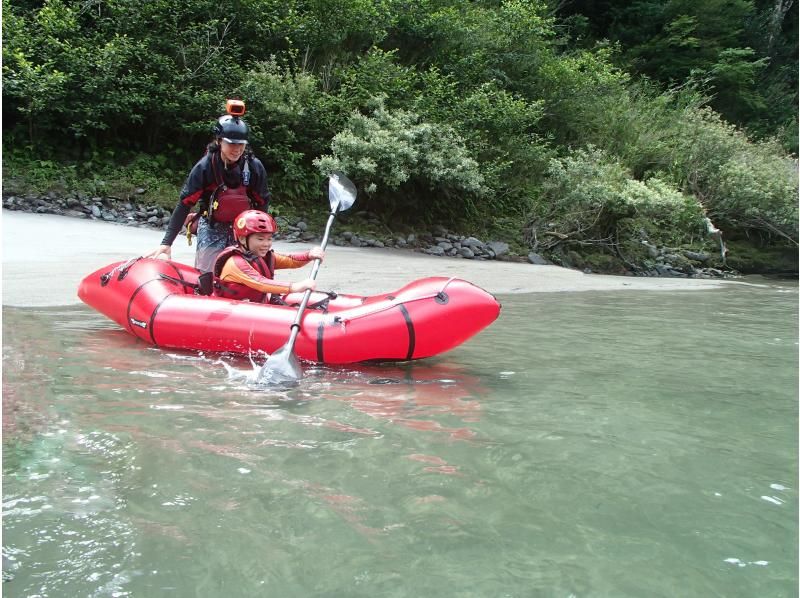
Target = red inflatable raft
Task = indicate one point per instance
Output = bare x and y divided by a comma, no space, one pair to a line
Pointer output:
156,301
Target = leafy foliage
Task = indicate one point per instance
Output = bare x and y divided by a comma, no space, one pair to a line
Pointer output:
473,114
743,185
591,199
396,152
742,53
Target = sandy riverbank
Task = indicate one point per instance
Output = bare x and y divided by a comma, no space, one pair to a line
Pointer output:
45,257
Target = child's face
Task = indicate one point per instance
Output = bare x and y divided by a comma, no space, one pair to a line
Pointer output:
259,243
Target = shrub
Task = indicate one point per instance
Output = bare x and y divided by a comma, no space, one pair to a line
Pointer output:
406,166
742,184
588,198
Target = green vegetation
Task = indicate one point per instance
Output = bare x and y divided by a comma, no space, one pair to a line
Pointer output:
580,129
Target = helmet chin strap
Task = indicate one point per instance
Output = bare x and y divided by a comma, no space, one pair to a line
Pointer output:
228,163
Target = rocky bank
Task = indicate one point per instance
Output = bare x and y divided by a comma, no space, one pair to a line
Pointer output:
438,242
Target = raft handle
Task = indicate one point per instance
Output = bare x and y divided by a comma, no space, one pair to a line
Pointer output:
123,272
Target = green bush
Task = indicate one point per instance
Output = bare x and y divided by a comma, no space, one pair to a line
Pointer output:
588,198
289,117
102,175
742,184
409,169
500,128
759,192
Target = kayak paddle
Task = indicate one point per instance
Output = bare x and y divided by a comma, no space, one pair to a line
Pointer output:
282,367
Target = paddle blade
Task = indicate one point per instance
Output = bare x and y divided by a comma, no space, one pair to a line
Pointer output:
341,192
282,368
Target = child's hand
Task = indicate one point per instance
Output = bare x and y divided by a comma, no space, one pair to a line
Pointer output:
316,253
309,284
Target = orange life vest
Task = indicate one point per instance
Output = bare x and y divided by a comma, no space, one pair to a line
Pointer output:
236,290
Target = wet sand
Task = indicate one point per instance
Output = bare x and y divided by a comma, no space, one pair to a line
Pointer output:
44,257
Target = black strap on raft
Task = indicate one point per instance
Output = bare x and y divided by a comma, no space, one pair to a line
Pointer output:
180,281
321,305
206,283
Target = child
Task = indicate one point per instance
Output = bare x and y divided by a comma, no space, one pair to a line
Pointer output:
246,269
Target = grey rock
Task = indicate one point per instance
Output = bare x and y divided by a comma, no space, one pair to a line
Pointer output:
535,258
96,211
697,256
435,250
652,250
499,248
466,252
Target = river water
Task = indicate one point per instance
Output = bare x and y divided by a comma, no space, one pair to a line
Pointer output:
586,444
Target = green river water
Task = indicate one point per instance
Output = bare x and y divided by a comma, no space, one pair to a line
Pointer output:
631,444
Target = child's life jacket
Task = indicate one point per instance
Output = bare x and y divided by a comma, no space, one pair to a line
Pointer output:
246,276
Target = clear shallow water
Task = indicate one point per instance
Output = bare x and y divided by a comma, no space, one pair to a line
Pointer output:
588,444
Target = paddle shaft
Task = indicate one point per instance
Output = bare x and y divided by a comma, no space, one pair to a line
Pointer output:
314,269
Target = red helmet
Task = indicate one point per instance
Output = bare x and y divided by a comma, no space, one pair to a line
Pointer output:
253,221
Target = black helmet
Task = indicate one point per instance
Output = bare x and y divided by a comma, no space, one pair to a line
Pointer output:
231,129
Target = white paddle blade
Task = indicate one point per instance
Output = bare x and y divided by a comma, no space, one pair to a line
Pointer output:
341,192
282,368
